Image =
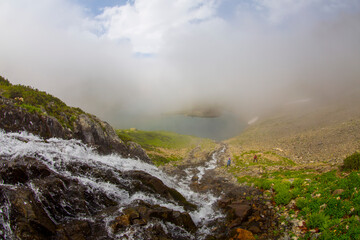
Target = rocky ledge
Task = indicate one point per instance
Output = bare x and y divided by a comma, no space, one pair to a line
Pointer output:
87,128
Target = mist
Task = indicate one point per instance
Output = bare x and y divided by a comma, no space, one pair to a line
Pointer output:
146,58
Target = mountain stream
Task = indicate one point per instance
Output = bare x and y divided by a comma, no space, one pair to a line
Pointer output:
106,188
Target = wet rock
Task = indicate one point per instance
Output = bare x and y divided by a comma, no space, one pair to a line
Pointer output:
144,213
67,198
152,184
120,222
74,230
180,219
28,219
20,170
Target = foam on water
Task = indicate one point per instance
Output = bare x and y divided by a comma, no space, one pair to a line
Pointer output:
57,154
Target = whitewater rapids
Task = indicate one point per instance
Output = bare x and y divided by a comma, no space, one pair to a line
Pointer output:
59,154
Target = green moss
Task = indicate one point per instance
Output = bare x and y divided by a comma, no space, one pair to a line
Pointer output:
31,108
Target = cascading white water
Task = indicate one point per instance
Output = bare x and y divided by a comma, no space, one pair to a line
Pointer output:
5,220
59,154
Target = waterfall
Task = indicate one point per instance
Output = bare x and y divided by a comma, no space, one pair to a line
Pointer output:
76,161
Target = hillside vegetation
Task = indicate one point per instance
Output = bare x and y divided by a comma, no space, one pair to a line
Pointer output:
164,147
306,168
35,101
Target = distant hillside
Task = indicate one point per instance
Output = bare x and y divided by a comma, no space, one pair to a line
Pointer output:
202,111
305,133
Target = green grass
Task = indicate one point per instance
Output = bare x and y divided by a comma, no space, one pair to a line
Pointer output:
333,216
155,139
265,159
164,147
159,160
35,101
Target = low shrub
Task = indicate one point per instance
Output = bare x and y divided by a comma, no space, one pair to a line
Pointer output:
296,192
337,208
297,183
283,197
265,184
352,162
301,203
282,186
317,220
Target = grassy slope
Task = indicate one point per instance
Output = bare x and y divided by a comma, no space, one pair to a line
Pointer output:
164,147
299,155
35,101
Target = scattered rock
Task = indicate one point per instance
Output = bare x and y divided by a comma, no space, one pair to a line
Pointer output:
240,211
338,192
242,234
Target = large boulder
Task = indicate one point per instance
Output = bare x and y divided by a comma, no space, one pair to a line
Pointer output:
149,183
135,151
98,134
144,213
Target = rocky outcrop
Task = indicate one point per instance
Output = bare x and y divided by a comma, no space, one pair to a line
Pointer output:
136,151
85,127
14,118
36,202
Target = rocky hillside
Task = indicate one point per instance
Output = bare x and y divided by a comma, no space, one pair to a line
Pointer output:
305,133
24,108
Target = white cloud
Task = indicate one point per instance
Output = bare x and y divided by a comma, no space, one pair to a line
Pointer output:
145,22
279,11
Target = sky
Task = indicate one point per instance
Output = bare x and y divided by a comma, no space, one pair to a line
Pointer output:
121,58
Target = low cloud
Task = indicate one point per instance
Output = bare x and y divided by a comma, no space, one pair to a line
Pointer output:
151,57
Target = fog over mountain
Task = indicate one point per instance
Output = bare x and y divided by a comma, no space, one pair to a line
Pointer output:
140,57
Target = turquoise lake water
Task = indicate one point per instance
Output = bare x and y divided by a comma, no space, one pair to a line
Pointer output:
220,128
